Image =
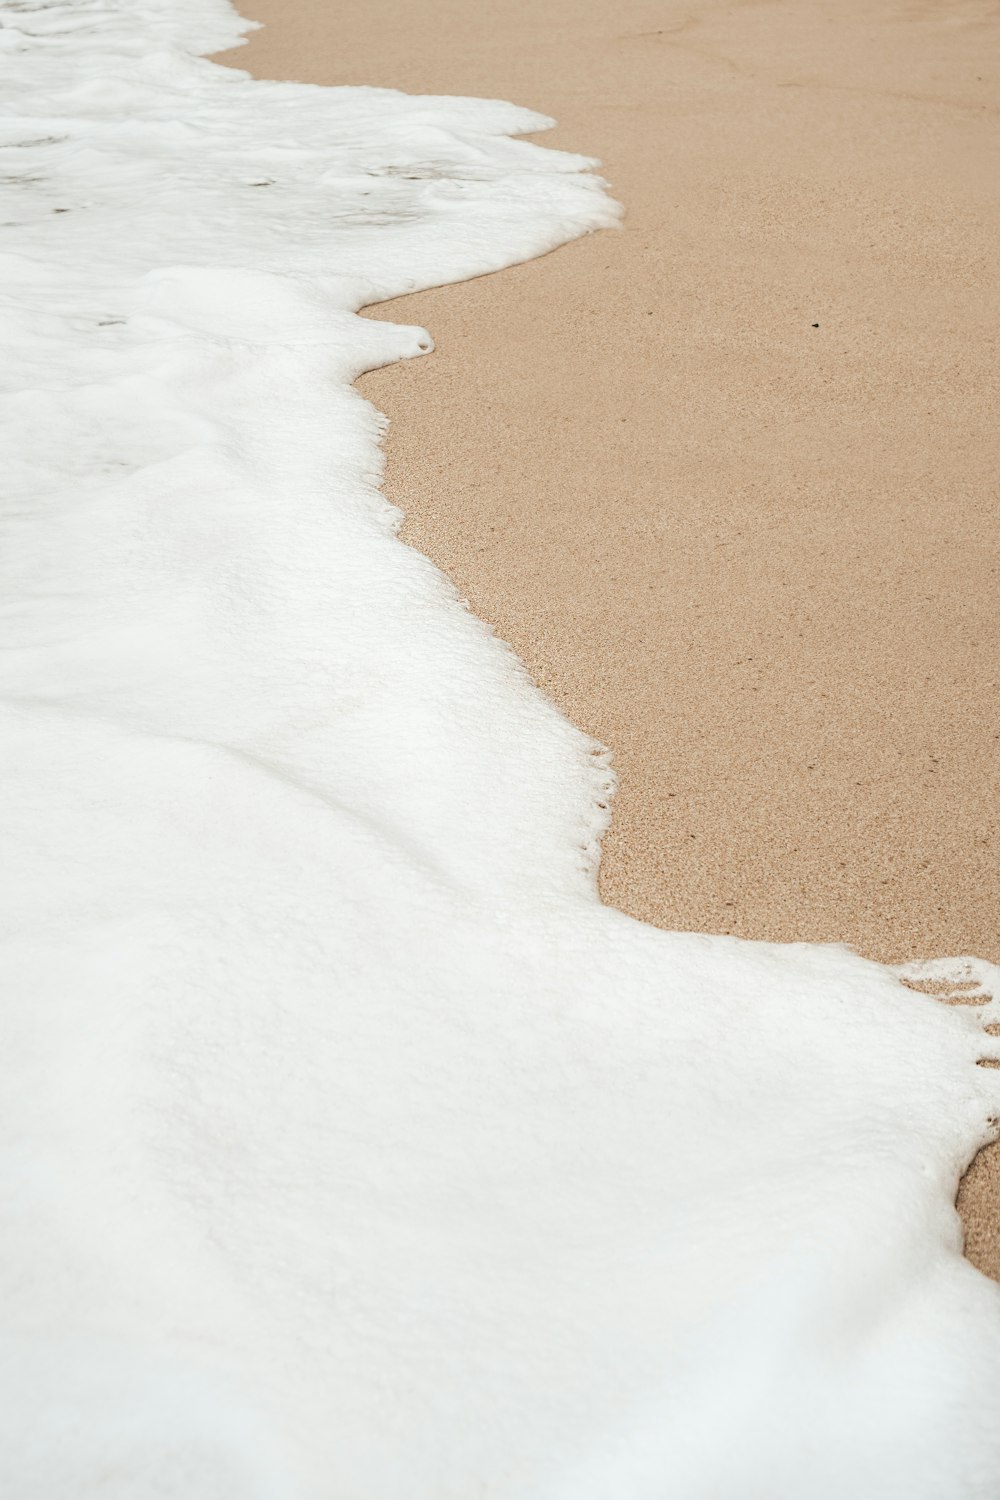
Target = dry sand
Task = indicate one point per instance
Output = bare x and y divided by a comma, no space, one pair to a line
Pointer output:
754,555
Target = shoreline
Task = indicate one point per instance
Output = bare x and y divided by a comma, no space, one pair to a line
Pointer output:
640,458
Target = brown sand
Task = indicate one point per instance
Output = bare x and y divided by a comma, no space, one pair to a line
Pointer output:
752,555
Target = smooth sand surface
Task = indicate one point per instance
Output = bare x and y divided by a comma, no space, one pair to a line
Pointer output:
755,556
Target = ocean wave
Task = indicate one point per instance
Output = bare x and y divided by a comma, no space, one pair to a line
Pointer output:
351,1145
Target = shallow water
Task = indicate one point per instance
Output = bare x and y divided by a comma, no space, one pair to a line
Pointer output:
352,1146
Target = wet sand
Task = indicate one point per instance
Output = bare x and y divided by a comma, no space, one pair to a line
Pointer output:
726,478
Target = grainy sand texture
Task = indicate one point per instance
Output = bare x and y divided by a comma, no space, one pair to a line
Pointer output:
725,479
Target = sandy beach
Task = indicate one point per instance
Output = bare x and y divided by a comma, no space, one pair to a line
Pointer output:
725,478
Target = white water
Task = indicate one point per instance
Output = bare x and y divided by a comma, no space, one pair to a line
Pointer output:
350,1147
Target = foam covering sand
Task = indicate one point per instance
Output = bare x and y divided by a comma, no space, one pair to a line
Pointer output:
756,558
351,1145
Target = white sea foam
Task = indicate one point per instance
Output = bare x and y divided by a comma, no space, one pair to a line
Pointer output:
351,1148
